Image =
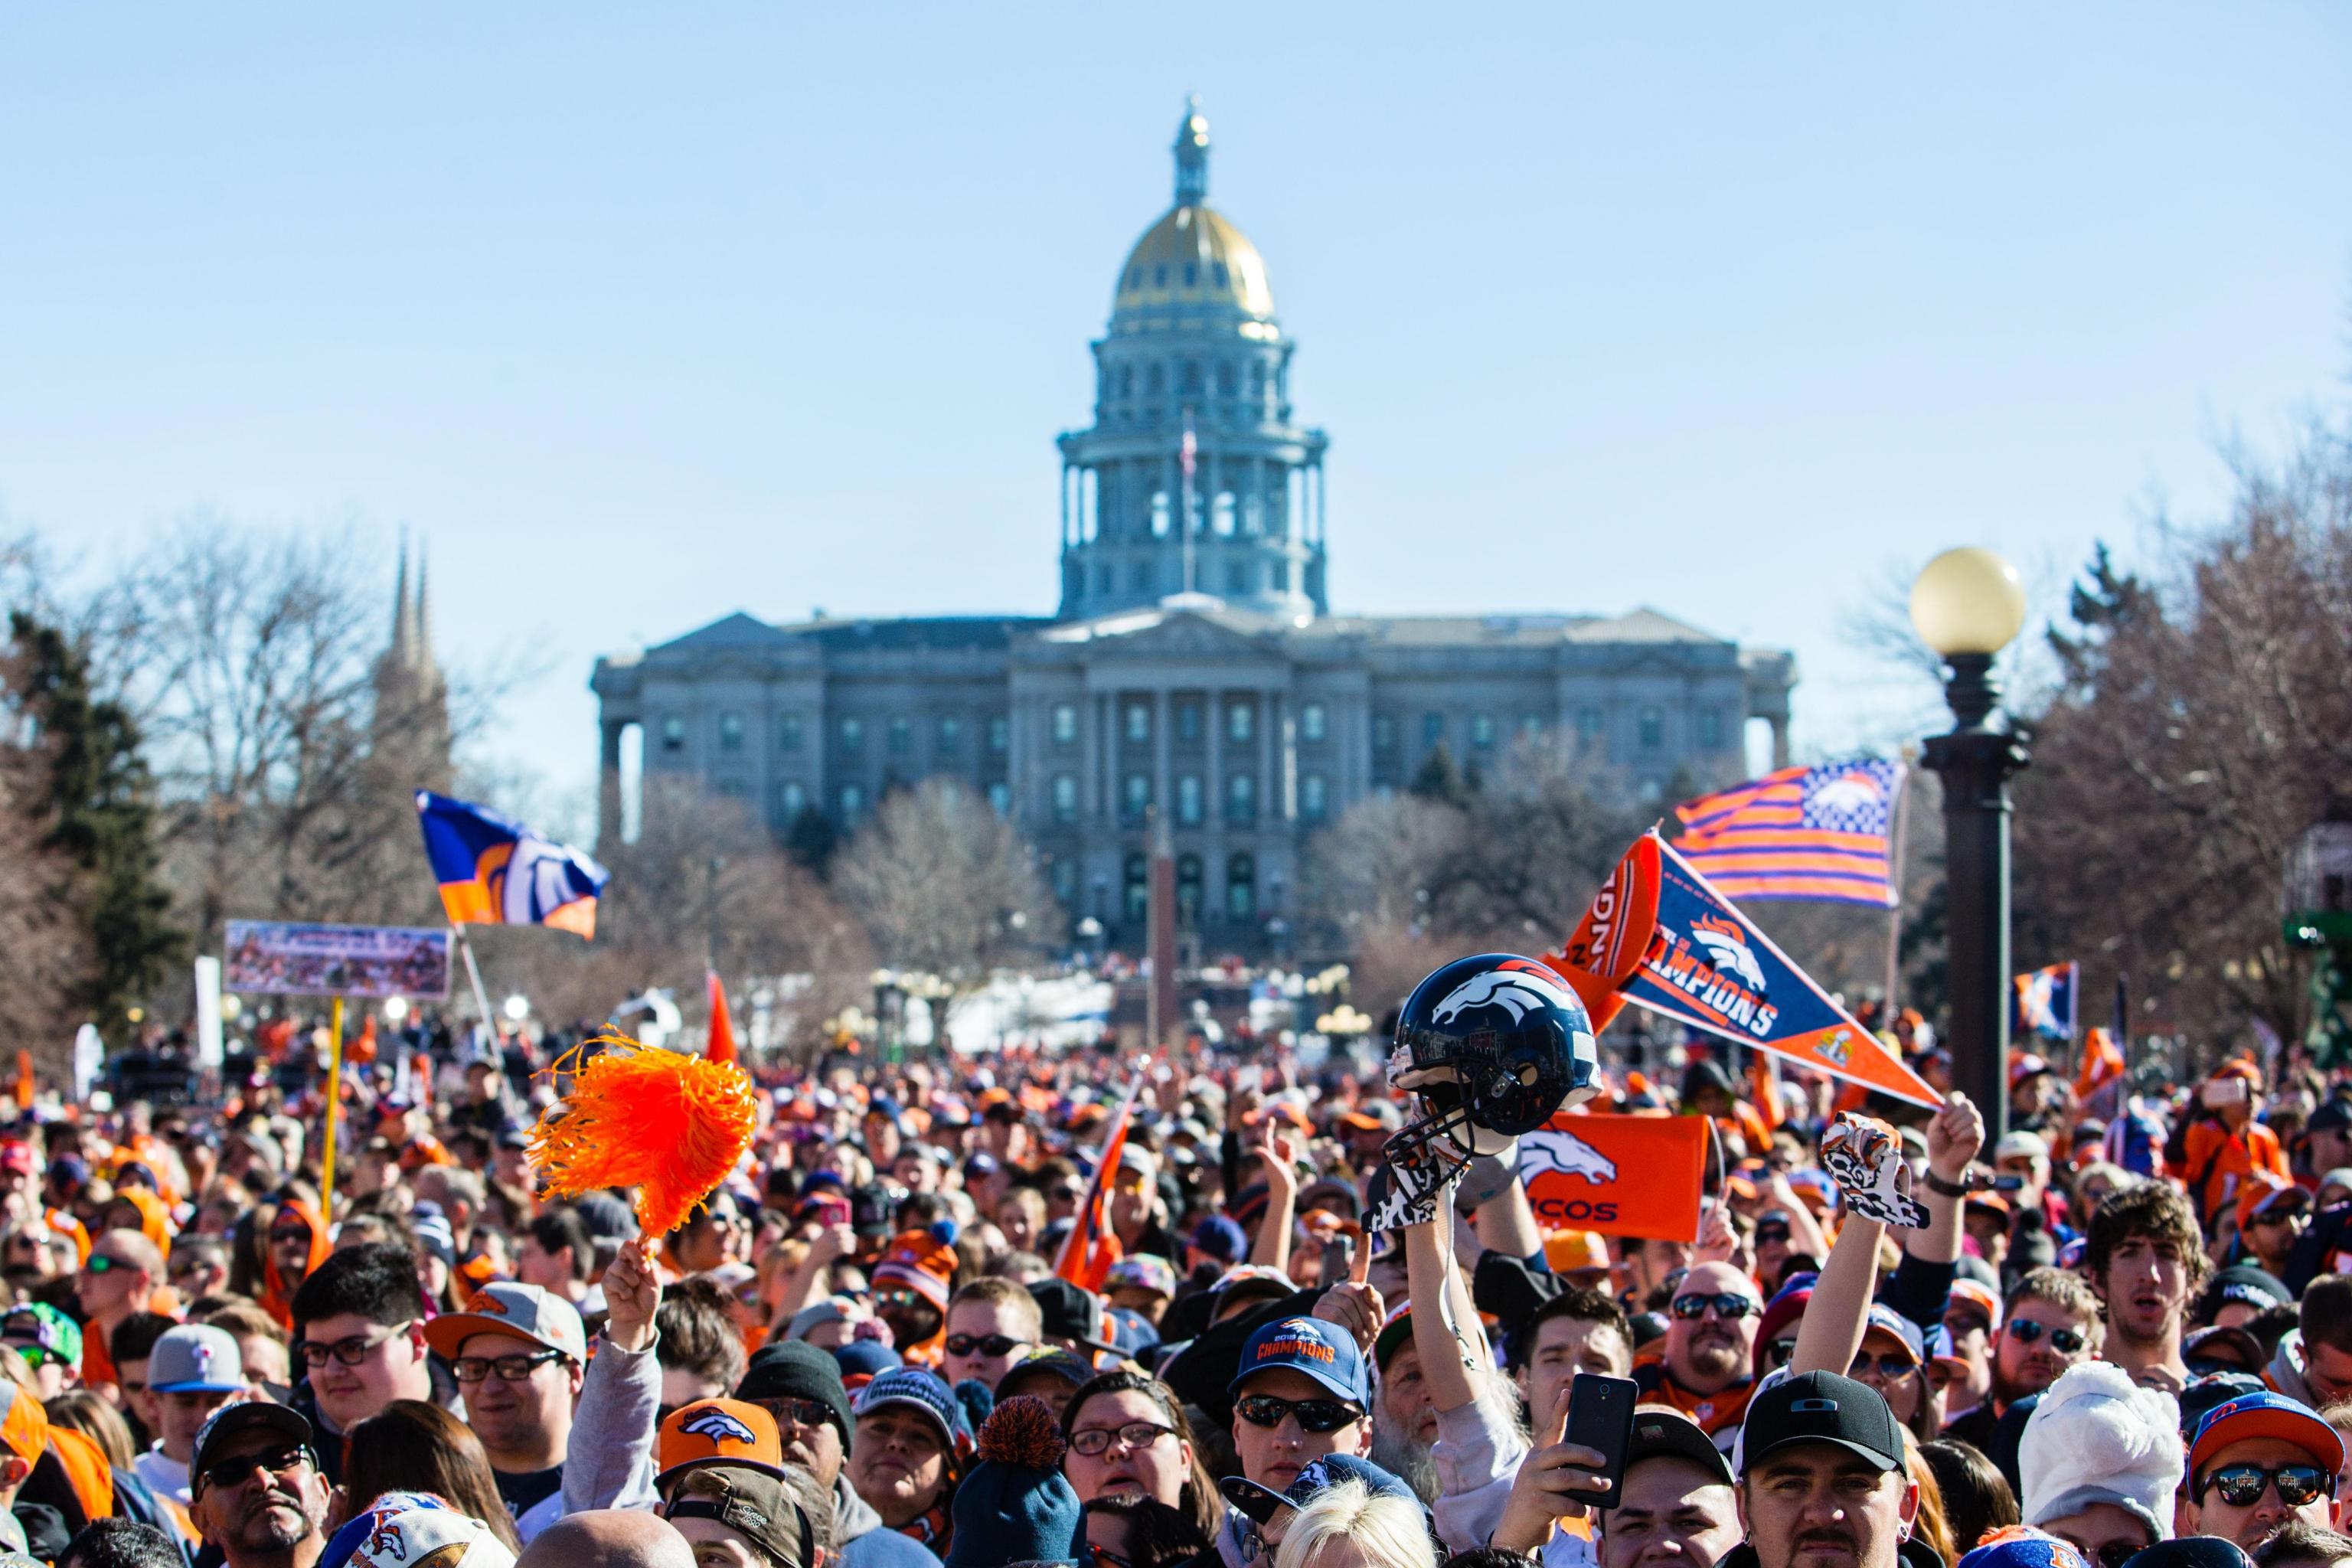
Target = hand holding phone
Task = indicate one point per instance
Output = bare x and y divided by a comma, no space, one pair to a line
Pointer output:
1600,1418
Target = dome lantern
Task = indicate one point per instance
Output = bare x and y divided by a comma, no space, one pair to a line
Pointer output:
1191,157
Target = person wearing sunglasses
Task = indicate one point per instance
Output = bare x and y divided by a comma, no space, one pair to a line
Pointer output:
2049,1321
2258,1463
255,1489
990,1321
50,1343
1892,1362
120,1277
1303,1393
2101,1461
1709,1366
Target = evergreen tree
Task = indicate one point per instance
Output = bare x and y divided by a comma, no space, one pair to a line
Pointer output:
810,840
102,817
1440,780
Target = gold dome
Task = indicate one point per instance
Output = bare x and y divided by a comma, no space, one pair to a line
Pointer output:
1195,256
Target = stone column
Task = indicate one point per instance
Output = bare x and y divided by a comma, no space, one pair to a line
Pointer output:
1779,722
1289,770
1088,803
608,785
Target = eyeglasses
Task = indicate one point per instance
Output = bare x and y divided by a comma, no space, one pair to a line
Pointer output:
2066,1342
1103,1555
1094,1441
809,1413
2116,1553
1891,1366
99,1262
2241,1485
235,1471
986,1344
1314,1415
1729,1304
350,1351
510,1368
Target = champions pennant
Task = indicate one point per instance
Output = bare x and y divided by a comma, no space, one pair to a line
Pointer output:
495,871
1706,964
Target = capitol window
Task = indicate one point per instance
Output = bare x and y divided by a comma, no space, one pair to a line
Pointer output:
1191,378
1191,274
1187,721
1312,801
1187,888
1236,577
1227,379
951,736
1241,887
1282,576
1588,723
1138,795
792,799
731,731
1066,797
1188,799
1482,731
1224,277
1139,721
1151,380
1065,724
1000,798
1433,729
900,737
852,734
1312,721
1241,722
1653,729
1240,798
788,733
673,732
1383,732
1159,275
1137,885
853,800
1710,729
1000,735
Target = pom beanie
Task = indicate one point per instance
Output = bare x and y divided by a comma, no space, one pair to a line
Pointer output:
2098,1436
922,1260
1015,1506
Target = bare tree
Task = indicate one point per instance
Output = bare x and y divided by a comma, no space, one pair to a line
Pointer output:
946,886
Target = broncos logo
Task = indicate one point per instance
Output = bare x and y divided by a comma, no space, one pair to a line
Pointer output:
1520,990
1567,1153
720,1428
1849,793
1728,950
384,1540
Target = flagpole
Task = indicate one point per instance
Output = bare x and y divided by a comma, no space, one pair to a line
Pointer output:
334,1110
1895,885
474,974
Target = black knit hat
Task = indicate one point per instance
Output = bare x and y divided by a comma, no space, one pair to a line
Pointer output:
798,1370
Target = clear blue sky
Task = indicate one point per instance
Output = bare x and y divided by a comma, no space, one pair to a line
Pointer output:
646,314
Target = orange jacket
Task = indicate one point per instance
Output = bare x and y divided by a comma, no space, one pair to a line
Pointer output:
2218,1161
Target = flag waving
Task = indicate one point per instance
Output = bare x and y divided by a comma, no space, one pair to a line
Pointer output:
1802,833
2042,1003
1614,934
495,871
1091,1248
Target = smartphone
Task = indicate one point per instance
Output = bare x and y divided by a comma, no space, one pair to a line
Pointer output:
1339,1260
2007,1184
1600,1418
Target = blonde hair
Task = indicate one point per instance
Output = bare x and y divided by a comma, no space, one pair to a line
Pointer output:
1387,1531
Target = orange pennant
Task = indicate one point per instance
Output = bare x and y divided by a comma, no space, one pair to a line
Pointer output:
1621,1175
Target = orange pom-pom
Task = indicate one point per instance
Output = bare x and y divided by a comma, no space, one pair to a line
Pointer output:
1022,1431
671,1126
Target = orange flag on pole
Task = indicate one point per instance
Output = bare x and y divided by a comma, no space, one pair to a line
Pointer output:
721,1048
1091,1248
1621,1175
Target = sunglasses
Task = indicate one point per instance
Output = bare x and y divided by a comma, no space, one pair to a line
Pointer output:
986,1344
1316,1416
2066,1342
1891,1367
2115,1553
233,1472
2241,1485
99,1262
1778,1351
808,1413
36,1356
1729,1304
1767,1234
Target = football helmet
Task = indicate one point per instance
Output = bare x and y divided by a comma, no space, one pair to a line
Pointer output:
1494,1046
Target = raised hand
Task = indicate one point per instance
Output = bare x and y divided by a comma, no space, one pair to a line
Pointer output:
631,1295
1539,1496
1954,1137
1355,1306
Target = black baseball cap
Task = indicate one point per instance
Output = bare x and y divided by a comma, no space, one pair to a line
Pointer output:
1821,1407
246,1416
1663,1434
2332,1115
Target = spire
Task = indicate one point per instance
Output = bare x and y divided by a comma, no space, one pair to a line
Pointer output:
421,649
398,653
1191,157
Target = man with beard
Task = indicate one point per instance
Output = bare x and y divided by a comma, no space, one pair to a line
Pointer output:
1707,1368
2049,1323
255,1488
1404,1418
2146,1259
1821,1479
800,1386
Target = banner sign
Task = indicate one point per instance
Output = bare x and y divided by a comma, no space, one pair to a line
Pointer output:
290,959
1621,1175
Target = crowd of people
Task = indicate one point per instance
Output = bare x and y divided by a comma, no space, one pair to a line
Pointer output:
2118,1339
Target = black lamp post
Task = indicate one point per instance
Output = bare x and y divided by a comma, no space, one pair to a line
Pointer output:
1968,604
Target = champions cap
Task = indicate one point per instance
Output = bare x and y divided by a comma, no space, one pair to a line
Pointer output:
1321,1351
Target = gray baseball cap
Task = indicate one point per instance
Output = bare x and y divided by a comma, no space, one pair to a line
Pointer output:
196,1358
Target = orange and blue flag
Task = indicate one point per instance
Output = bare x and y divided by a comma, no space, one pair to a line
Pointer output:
2042,1003
495,871
1801,833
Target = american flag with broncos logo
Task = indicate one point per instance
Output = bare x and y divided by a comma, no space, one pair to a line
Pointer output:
1801,833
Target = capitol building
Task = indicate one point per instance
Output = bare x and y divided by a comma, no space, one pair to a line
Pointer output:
1195,668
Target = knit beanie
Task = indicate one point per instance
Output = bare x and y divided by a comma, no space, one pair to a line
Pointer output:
2019,1546
795,1368
1015,1506
924,1261
2098,1436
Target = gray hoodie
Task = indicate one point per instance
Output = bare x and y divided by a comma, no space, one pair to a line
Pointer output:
2285,1371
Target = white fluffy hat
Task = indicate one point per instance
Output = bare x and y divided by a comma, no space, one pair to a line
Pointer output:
2098,1436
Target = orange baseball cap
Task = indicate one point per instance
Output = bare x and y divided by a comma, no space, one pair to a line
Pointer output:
1569,1250
25,1428
718,1432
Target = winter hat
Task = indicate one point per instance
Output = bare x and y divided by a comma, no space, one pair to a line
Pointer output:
1221,1238
924,1261
795,1368
862,1360
2098,1436
2021,1546
922,1390
1015,1506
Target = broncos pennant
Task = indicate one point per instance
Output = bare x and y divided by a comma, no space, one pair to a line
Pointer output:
495,871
